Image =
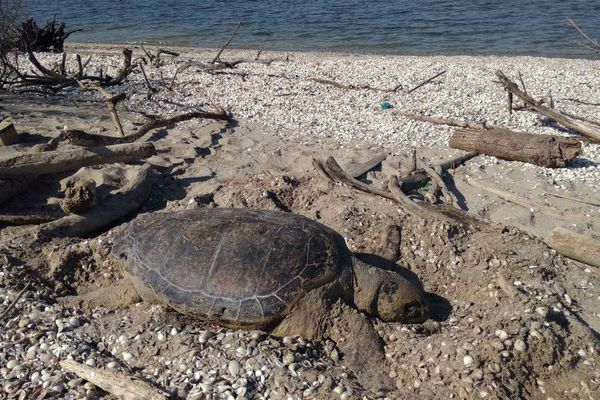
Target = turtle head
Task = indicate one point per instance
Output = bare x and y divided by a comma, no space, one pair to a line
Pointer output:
399,300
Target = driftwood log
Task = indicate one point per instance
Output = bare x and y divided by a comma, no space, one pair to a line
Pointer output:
115,383
111,210
575,245
28,164
543,150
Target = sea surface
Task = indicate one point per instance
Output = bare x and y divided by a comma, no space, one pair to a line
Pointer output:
534,27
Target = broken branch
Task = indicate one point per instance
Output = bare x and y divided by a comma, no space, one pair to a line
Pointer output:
586,128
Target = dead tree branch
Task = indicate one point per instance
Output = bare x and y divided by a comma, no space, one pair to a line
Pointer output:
591,44
235,31
584,127
425,82
81,138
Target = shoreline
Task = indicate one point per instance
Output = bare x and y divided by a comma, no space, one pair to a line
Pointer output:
232,47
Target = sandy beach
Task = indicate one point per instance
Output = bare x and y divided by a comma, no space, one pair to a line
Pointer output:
510,317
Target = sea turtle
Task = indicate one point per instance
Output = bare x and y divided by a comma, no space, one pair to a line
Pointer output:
270,270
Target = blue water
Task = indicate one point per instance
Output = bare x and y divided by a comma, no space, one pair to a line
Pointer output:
396,26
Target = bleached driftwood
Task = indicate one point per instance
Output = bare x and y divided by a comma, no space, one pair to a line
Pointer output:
575,245
117,206
33,164
115,383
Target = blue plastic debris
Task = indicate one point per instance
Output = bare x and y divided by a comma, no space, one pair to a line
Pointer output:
385,105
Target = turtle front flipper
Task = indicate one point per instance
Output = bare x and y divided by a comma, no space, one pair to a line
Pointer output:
361,346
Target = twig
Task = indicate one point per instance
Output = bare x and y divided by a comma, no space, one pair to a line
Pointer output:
582,102
14,302
351,86
563,196
441,120
425,82
525,202
237,28
593,44
113,382
151,88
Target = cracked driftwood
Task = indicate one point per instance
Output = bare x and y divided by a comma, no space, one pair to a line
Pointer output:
15,166
585,127
575,245
543,150
116,383
111,210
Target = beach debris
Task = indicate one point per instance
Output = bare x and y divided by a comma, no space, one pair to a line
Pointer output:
8,133
113,382
107,211
385,105
79,195
48,81
154,59
591,44
442,121
353,86
29,219
111,102
233,34
525,202
29,36
17,165
585,249
298,293
81,138
361,169
426,81
581,125
544,150
332,170
437,184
